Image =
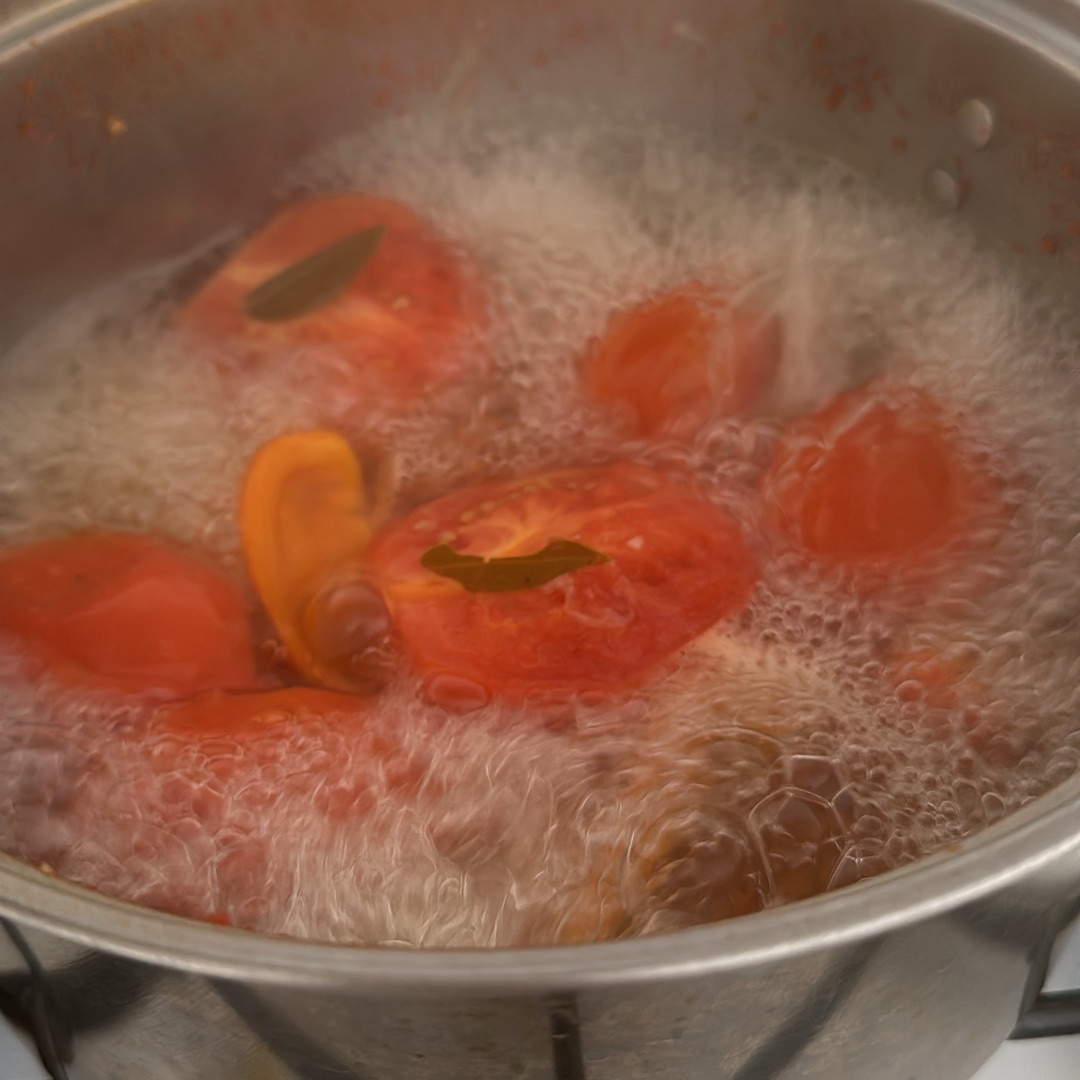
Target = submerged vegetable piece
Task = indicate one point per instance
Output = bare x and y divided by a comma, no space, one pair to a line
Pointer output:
402,322
679,358
675,565
876,477
305,522
125,612
216,713
721,815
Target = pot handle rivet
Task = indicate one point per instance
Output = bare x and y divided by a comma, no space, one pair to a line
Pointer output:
942,190
975,120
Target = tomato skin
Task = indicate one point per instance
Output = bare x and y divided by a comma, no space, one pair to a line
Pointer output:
876,478
681,357
401,325
124,612
677,565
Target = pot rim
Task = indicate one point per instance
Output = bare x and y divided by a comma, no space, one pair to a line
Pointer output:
1042,834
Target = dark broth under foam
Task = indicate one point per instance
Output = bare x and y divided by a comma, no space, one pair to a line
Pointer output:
777,721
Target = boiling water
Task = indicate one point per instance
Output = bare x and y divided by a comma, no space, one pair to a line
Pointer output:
777,760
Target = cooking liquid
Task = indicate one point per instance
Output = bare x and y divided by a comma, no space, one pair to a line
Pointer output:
777,759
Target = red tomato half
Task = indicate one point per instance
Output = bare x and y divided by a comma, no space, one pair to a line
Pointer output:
876,477
402,324
681,357
125,612
677,565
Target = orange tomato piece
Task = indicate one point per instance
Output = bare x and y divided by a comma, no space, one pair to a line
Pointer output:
304,523
402,324
681,357
876,477
677,565
125,612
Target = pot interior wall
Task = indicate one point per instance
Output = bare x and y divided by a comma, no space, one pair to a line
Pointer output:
130,131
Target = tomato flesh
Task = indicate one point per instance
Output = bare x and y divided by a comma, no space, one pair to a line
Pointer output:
125,612
402,324
677,565
873,478
680,357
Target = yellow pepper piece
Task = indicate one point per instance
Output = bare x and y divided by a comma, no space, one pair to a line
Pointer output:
304,524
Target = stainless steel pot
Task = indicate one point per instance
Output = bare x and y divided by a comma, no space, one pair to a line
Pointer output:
129,130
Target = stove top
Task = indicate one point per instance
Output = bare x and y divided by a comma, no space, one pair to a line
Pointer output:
1044,1059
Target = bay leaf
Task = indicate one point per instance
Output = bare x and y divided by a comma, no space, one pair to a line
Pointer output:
514,572
315,281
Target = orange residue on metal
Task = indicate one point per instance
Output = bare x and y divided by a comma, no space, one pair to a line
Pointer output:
841,63
574,33
203,31
25,129
779,26
74,158
381,98
1049,244
425,76
835,97
28,88
1067,171
1074,227
326,12
900,144
541,58
387,67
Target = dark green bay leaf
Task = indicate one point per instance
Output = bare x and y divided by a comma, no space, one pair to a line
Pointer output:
480,575
315,281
